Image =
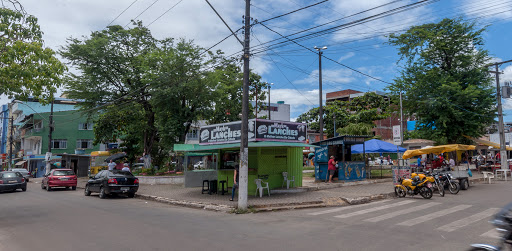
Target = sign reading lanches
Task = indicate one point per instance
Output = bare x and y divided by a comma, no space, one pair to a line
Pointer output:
259,130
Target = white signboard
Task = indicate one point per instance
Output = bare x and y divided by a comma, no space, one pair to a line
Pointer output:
48,156
397,136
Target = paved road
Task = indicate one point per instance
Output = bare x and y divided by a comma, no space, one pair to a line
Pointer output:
67,220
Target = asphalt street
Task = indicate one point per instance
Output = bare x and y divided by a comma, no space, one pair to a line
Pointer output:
68,220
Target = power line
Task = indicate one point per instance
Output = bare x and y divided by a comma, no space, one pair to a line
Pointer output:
222,19
121,13
291,12
346,66
165,12
141,13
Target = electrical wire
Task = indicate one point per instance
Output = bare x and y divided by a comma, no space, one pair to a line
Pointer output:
141,13
121,13
165,12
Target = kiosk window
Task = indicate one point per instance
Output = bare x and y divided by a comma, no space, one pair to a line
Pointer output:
230,159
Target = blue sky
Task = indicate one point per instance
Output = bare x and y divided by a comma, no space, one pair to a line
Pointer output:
292,68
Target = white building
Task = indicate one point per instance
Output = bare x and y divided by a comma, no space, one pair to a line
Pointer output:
278,111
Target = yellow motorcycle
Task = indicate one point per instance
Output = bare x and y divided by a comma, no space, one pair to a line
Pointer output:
413,187
433,181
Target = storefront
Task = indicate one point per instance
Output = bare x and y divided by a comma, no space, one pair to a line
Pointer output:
274,147
340,148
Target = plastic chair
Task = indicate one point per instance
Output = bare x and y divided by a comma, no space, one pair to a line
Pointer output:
488,175
285,179
260,188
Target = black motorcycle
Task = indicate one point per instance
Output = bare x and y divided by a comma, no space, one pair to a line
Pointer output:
449,182
503,222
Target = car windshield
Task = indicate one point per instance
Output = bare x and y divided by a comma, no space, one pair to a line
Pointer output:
63,172
9,175
20,170
119,173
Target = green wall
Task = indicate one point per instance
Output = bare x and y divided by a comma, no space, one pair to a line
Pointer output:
271,161
66,127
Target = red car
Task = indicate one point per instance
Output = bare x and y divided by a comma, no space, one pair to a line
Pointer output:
59,178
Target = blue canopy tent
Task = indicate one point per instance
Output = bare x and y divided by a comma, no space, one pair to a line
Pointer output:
376,146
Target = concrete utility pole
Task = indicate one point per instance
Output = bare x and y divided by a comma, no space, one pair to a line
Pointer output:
401,121
244,139
269,100
11,142
50,127
501,130
320,90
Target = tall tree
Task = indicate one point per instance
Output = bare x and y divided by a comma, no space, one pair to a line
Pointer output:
114,67
26,67
444,81
353,117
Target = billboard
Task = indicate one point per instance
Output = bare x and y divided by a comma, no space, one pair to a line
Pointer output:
258,130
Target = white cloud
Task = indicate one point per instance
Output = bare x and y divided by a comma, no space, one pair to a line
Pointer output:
489,11
337,76
507,74
346,56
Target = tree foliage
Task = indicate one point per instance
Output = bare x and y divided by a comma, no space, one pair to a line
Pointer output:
150,91
444,81
354,117
26,67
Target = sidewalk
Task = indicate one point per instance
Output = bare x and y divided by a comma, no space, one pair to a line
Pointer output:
312,194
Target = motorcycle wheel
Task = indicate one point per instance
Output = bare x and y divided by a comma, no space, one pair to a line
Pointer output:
454,188
426,192
400,192
440,190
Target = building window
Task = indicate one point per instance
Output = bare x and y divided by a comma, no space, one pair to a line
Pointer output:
38,125
59,144
193,134
85,126
84,143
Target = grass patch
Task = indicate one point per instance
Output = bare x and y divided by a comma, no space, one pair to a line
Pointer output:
308,168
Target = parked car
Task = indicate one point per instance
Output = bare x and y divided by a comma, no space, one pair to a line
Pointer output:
199,165
112,182
23,172
10,181
59,178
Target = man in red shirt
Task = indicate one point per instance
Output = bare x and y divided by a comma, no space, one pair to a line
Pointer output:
331,166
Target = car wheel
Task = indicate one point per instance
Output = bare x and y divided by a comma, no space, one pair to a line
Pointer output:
102,193
87,192
48,188
131,195
42,185
24,188
73,188
27,180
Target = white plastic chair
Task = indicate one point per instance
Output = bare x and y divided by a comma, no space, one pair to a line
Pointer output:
285,179
488,175
260,188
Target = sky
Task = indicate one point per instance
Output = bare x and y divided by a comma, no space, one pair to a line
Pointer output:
358,56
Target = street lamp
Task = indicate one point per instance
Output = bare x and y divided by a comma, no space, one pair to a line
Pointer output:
320,89
269,100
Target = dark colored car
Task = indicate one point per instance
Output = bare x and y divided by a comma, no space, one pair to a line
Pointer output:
59,178
23,172
112,182
10,181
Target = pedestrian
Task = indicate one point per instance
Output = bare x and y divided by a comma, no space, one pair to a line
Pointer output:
452,162
235,182
419,163
111,165
331,167
125,167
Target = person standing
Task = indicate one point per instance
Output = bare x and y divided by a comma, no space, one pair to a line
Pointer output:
235,181
420,167
111,165
331,167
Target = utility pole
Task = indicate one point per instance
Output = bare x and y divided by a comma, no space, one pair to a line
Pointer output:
320,90
269,100
244,139
11,142
50,127
501,130
401,121
256,98
334,119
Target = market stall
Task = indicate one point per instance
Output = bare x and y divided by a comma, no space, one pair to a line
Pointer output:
274,147
340,148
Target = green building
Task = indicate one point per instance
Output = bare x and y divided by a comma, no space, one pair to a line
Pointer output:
72,133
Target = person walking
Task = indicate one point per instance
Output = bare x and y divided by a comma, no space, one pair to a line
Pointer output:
111,165
125,167
235,181
331,167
